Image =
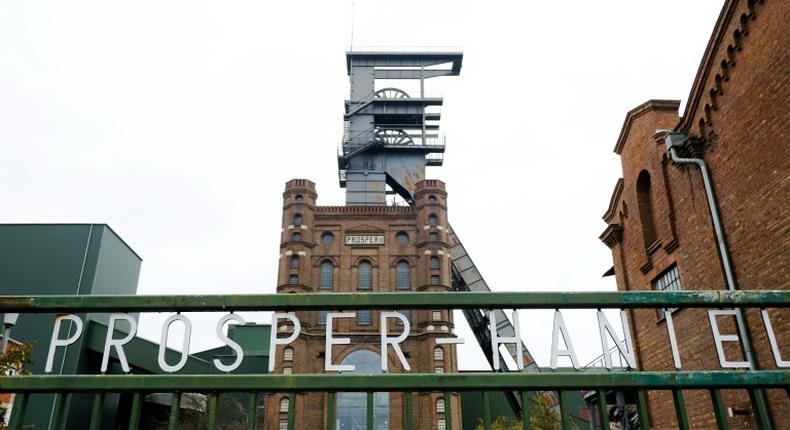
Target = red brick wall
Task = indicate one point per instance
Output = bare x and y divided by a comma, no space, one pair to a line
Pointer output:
738,117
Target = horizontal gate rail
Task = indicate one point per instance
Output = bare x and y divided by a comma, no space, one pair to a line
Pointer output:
432,300
752,381
397,382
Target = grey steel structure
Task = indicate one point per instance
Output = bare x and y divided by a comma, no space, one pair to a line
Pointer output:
389,135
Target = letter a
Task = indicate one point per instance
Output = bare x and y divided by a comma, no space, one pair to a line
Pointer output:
560,329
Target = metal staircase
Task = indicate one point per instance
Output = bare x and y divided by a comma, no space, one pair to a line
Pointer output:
466,277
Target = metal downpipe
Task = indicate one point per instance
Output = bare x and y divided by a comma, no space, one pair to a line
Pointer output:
673,140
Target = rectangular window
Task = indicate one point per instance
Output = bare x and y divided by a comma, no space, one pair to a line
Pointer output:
283,424
434,262
322,317
406,313
293,279
667,281
440,425
435,280
438,369
287,371
364,318
436,315
433,237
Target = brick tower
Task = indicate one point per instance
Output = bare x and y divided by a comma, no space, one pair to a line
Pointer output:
365,249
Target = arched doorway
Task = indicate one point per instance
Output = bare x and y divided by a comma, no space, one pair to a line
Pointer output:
351,412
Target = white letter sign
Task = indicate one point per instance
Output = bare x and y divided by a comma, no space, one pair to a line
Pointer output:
626,351
184,344
230,342
328,366
673,342
274,340
719,338
55,342
109,342
769,330
559,329
394,341
496,340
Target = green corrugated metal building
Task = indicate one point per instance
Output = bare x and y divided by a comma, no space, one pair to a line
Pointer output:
86,259
48,259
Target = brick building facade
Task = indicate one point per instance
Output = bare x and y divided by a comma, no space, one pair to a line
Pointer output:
367,249
660,228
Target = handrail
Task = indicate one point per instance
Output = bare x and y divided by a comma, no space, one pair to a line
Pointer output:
364,101
599,362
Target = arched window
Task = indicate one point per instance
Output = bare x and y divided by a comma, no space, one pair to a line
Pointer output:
644,200
298,219
288,354
327,269
434,262
433,237
351,407
299,198
295,262
435,280
440,405
432,219
284,404
402,275
438,353
365,275
293,279
432,198
296,237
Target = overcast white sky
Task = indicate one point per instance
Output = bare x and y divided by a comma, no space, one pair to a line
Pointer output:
178,122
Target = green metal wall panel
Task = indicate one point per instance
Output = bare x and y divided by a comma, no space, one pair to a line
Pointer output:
42,259
253,338
118,267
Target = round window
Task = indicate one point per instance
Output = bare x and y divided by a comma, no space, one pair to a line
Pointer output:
327,238
402,238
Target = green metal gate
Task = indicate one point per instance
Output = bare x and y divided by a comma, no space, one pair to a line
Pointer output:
408,383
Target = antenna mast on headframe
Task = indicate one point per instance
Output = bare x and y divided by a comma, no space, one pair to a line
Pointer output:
351,45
